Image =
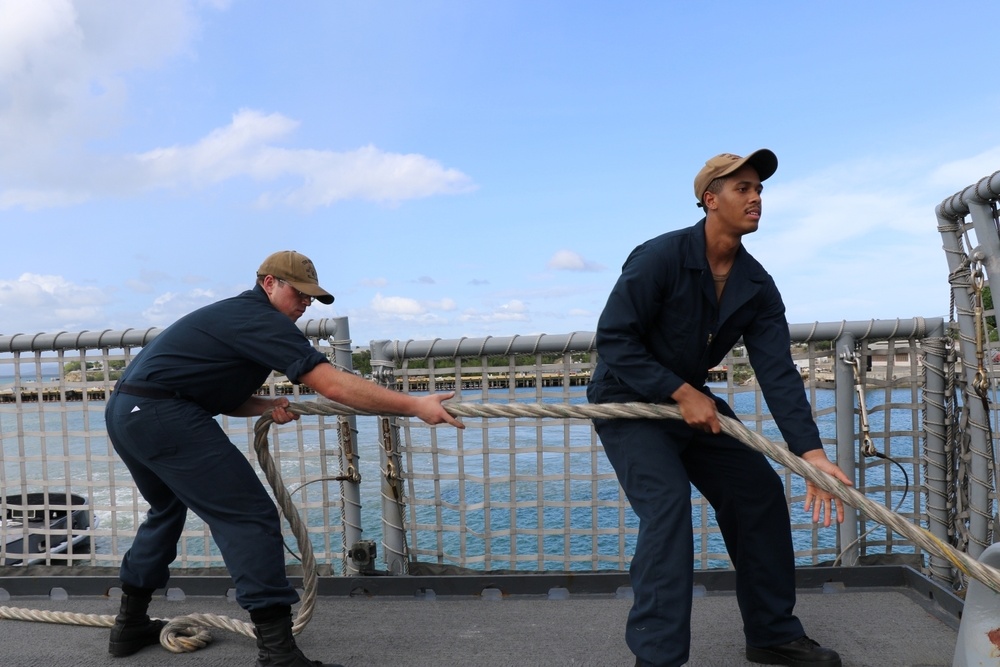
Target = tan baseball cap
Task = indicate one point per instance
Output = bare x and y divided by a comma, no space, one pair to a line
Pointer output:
298,271
763,160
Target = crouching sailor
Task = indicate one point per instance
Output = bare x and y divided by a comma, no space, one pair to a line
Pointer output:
161,421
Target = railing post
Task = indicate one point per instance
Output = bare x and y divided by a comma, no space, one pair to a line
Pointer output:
984,459
393,532
350,490
936,471
981,515
846,437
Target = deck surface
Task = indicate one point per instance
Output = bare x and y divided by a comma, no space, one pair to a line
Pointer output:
878,627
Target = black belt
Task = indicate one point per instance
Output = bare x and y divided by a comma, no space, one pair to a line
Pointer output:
146,392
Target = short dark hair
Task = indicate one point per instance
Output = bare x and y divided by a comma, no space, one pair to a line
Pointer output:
715,186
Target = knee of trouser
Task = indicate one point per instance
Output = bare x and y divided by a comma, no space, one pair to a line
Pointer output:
770,489
765,498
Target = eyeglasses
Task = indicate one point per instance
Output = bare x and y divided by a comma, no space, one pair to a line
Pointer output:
301,295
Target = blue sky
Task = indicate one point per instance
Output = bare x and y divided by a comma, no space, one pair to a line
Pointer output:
473,168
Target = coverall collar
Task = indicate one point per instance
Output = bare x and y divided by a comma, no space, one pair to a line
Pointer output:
745,276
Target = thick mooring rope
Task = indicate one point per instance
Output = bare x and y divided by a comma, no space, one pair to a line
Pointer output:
188,633
883,515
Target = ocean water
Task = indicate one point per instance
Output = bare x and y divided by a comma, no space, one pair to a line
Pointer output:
483,518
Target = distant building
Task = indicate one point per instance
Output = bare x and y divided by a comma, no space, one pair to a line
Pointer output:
893,366
902,358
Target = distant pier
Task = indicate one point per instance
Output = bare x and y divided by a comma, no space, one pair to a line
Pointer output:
56,394
51,395
493,381
442,383
413,383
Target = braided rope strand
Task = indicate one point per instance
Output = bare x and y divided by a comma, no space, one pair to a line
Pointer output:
967,565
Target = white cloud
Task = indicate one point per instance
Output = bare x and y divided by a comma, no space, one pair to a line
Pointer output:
41,303
63,85
243,149
234,150
405,307
567,260
35,199
396,306
366,173
512,311
61,73
959,174
404,317
171,306
857,240
843,210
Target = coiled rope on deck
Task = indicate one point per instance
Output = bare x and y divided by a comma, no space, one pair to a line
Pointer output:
188,633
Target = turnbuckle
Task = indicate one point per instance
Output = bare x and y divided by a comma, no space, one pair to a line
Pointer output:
866,445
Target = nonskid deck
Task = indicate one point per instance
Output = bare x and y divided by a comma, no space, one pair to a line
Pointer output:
580,623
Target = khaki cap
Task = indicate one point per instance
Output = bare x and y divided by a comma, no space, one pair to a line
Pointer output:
298,271
763,160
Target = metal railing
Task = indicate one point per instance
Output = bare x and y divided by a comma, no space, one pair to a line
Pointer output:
968,222
504,494
539,494
53,442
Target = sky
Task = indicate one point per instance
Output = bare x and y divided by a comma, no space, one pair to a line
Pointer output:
463,169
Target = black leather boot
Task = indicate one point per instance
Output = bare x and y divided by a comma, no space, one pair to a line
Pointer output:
133,629
276,645
803,652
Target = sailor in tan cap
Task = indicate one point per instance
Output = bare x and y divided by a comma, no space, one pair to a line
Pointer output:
296,270
682,302
161,421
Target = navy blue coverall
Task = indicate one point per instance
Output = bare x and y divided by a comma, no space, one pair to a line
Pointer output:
663,326
161,421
